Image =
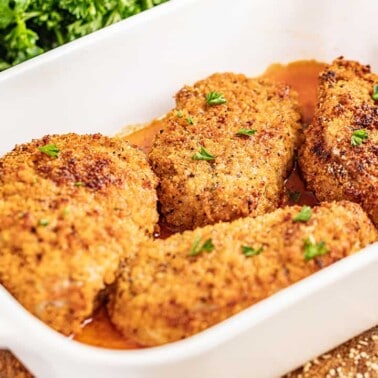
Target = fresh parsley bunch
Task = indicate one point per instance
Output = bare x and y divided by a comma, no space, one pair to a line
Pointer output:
31,27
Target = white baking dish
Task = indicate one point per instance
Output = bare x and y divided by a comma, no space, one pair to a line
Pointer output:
127,74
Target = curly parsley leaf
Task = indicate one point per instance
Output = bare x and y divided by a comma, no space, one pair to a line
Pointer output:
44,222
304,215
6,14
313,249
190,120
196,248
30,27
358,137
246,132
249,251
215,98
203,154
50,149
375,92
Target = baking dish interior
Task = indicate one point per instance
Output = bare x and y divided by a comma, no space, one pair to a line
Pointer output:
127,74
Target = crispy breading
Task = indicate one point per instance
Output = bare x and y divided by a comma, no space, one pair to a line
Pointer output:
247,175
332,167
165,294
66,221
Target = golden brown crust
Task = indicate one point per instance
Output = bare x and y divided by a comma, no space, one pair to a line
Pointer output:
332,167
247,175
67,221
165,295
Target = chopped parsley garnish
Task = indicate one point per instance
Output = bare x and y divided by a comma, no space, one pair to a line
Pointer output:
313,249
190,120
375,92
30,27
203,155
79,183
50,149
246,132
196,248
215,98
304,215
358,137
179,113
294,196
44,222
249,251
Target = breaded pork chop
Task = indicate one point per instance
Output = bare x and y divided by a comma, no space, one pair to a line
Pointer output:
249,127
188,282
71,207
339,158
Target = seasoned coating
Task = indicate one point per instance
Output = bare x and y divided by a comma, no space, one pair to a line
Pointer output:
166,295
67,221
247,175
332,167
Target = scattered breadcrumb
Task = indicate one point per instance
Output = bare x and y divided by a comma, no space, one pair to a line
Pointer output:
346,361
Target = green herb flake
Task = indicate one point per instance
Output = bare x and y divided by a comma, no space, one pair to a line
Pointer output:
44,222
215,98
358,137
304,215
179,113
79,183
66,211
294,196
50,149
374,96
313,249
203,154
196,248
249,251
190,120
246,132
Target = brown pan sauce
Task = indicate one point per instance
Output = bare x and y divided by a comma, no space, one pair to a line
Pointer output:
301,76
